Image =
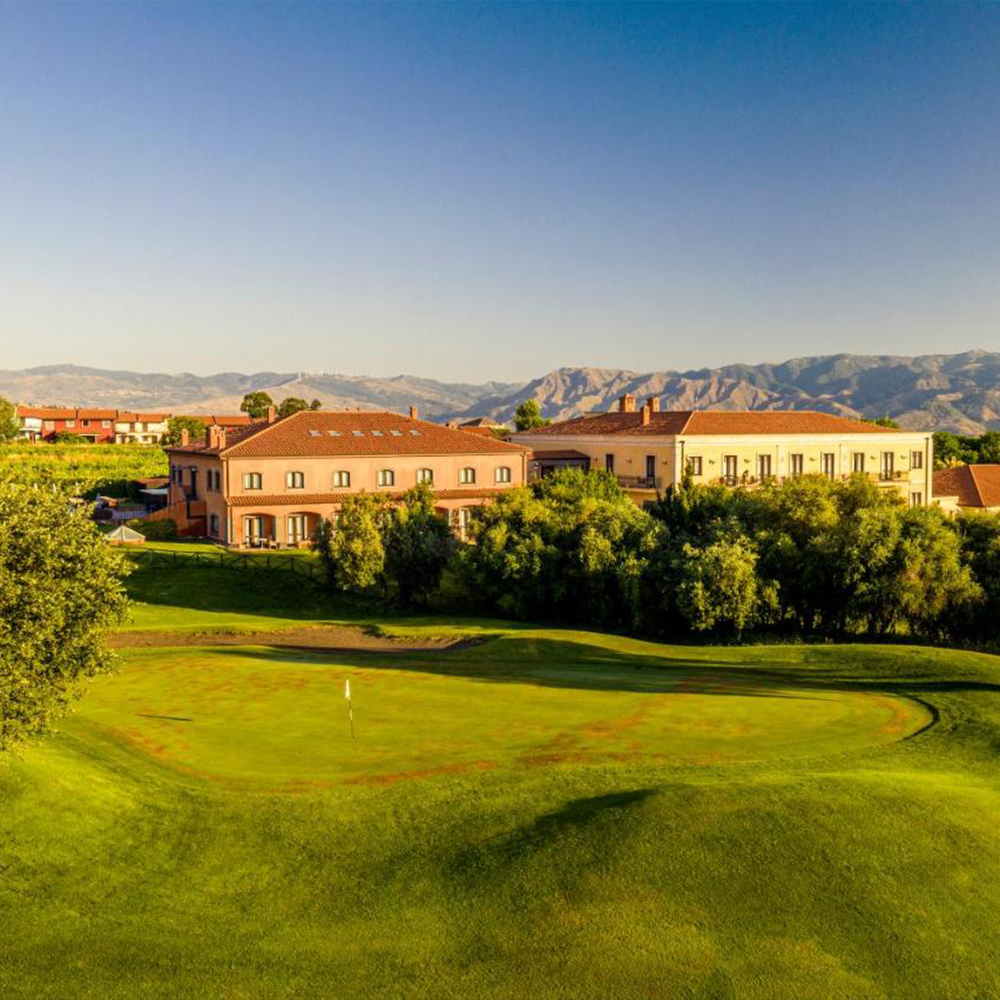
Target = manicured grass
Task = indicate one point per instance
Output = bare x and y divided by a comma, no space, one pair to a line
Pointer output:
547,814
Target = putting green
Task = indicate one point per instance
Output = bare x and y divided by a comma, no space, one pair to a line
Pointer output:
273,717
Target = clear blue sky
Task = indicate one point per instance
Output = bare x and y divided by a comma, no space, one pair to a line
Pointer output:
476,191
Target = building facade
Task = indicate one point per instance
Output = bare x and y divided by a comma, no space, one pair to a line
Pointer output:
968,488
648,449
271,484
140,428
42,423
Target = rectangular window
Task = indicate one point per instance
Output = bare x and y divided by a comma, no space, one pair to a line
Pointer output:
296,529
888,466
763,466
253,481
609,463
730,469
916,499
50,425
796,464
467,476
213,525
342,478
858,462
829,464
916,459
105,423
502,474
295,480
425,475
71,423
386,477
86,423
694,465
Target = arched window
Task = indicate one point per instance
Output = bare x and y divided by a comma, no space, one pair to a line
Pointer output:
386,477
467,476
295,480
502,474
425,475
341,478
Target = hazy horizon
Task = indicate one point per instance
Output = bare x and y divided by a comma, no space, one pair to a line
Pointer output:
488,192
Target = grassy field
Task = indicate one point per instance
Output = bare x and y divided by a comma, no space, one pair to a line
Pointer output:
545,814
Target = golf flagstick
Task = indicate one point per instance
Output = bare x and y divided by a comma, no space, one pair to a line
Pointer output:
350,707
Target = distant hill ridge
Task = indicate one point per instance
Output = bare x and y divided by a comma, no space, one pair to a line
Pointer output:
959,392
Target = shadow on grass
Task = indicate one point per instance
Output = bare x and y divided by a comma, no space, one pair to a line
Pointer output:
574,663
496,855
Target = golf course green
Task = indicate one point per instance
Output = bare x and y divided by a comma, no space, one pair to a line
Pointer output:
532,813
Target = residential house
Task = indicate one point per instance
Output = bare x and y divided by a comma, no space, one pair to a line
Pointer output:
42,423
968,488
140,428
271,483
648,449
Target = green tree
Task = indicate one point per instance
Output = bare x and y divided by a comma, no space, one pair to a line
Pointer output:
528,416
256,404
9,426
61,587
719,589
316,405
419,544
352,550
194,427
883,421
290,405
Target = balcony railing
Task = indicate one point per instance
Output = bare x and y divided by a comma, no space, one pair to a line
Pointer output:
639,482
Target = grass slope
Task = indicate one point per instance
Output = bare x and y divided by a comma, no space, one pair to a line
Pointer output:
548,814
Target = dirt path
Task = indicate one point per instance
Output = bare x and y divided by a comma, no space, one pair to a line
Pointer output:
329,638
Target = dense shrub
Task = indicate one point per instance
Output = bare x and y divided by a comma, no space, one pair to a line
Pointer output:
156,531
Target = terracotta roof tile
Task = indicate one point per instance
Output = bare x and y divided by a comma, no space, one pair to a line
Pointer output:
298,499
974,485
708,422
352,432
47,412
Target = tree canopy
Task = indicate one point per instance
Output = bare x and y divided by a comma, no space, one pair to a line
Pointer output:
528,416
256,404
194,427
290,405
61,587
9,427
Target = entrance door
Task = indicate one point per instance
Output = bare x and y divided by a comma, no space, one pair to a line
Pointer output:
253,530
194,485
730,467
651,469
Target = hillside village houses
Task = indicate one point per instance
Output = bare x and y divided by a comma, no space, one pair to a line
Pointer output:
648,449
271,483
106,426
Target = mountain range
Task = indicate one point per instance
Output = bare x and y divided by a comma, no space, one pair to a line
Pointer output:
958,392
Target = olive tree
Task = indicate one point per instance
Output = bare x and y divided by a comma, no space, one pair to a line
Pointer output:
61,588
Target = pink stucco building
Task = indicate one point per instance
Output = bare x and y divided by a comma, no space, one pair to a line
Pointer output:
272,482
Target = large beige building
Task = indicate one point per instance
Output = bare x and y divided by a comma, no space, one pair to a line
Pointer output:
269,484
647,449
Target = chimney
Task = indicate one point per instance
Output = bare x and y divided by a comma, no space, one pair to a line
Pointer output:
222,436
185,436
653,402
627,403
215,436
413,413
210,435
646,410
270,414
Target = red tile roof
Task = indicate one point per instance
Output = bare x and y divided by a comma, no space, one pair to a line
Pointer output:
974,485
708,422
127,416
47,412
351,432
300,499
232,420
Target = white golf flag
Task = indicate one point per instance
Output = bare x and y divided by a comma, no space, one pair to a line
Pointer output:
347,690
